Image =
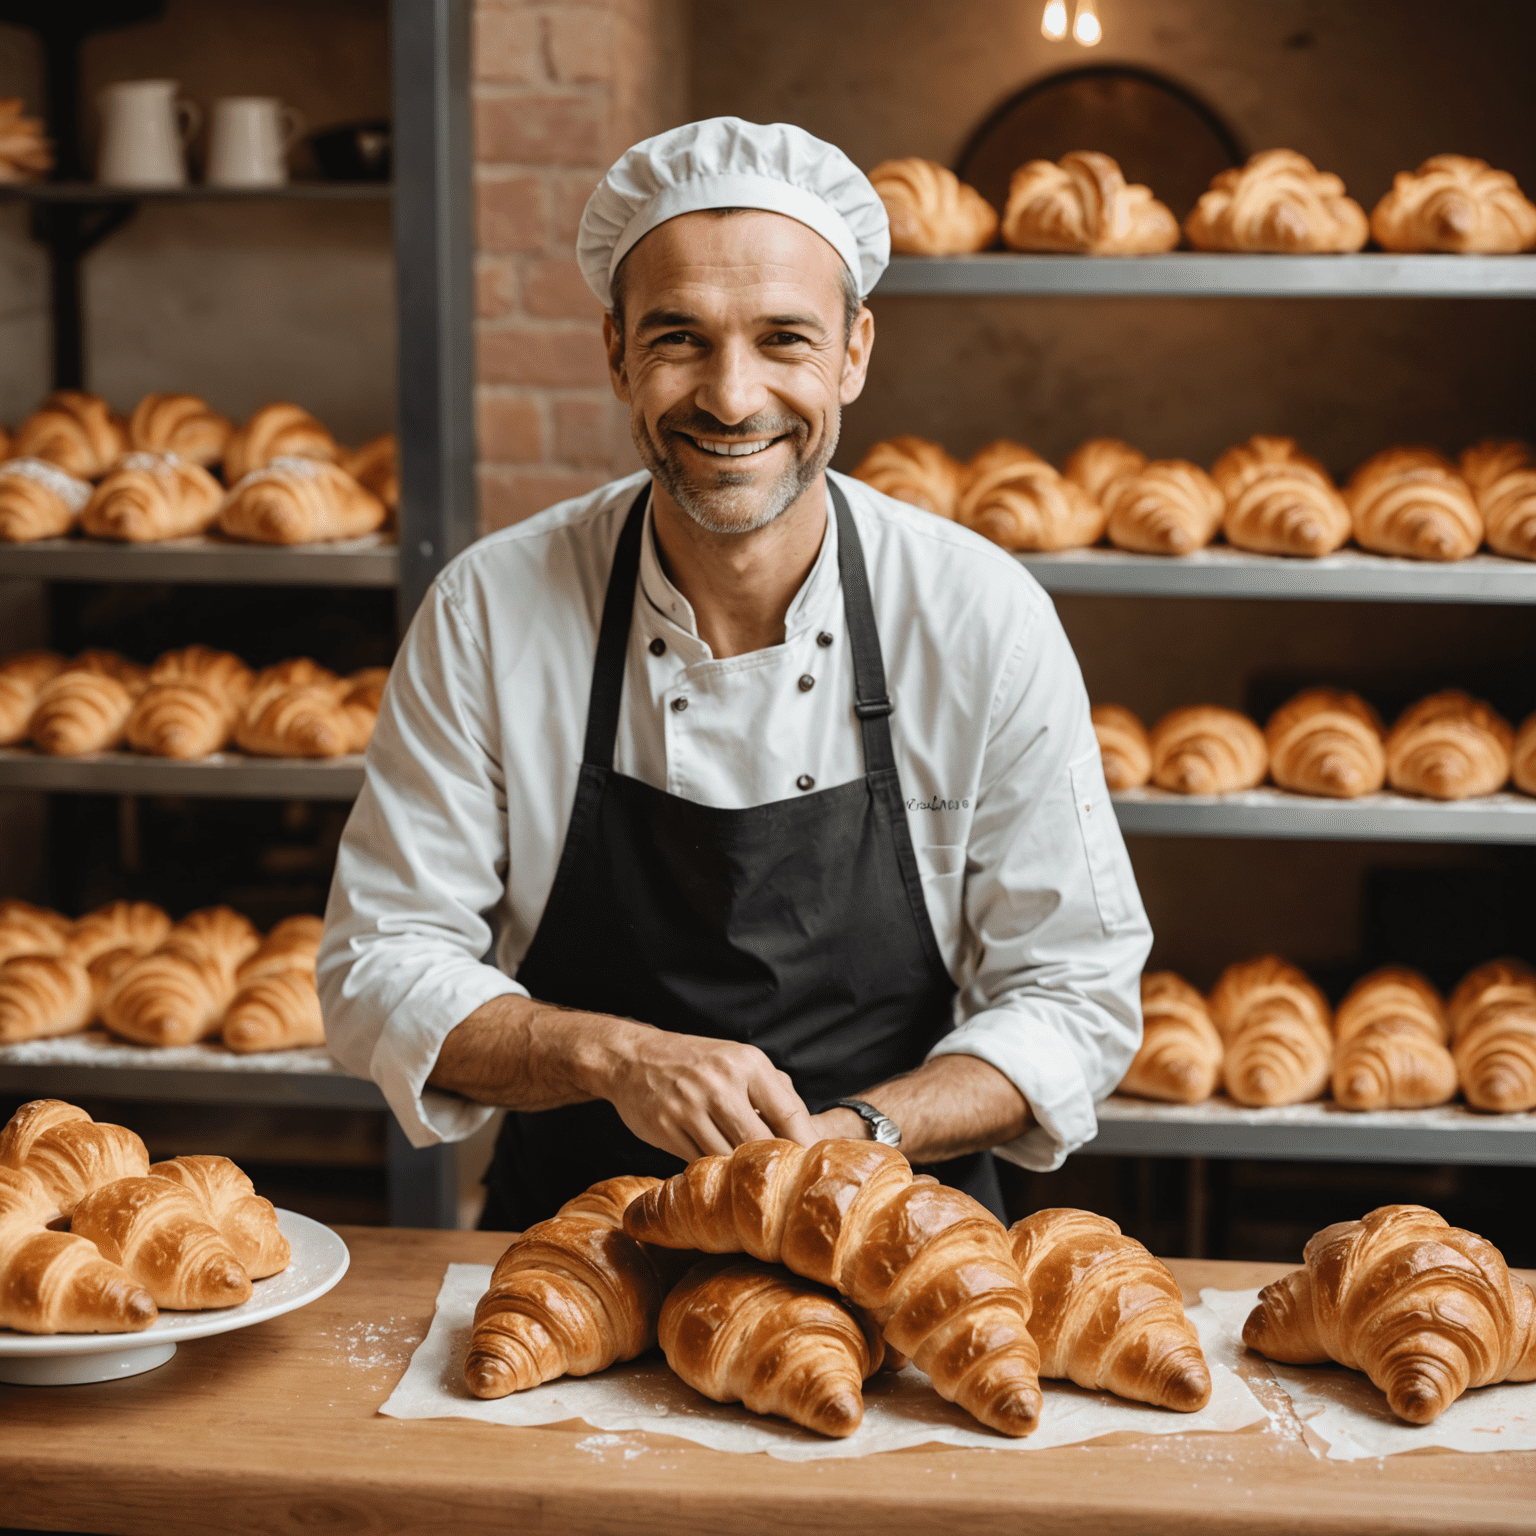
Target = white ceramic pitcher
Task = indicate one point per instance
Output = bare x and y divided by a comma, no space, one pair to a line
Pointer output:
249,141
144,133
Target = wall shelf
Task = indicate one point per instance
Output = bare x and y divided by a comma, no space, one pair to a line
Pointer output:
224,775
1201,275
95,194
367,562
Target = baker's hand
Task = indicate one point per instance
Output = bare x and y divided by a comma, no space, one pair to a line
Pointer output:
692,1096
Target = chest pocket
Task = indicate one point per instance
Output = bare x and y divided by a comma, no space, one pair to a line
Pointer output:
1101,843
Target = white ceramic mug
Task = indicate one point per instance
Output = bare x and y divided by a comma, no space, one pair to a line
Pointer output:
250,140
144,133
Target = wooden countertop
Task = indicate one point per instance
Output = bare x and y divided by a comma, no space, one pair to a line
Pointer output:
276,1429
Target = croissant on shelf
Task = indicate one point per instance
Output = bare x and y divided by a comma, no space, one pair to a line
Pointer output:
1390,1035
295,500
1278,201
1203,749
29,930
21,678
68,1153
299,719
1455,203
277,431
1279,500
149,497
1522,766
1411,501
1449,746
191,705
931,1265
1179,1060
1124,747
931,211
1083,204
571,1296
1425,1309
1502,476
1106,1314
376,467
915,471
360,703
38,500
75,430
42,996
1275,1028
1493,1036
1013,497
79,711
244,1221
276,1006
1326,742
182,425
1167,507
138,926
25,151
1096,464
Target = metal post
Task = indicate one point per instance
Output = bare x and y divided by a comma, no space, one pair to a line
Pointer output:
423,1183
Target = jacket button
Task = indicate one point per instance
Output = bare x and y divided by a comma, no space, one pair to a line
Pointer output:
807,682
823,638
679,705
805,781
658,645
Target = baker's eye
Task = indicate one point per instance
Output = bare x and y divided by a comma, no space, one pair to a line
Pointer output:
673,339
785,339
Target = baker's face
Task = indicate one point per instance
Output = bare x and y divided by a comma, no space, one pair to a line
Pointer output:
733,362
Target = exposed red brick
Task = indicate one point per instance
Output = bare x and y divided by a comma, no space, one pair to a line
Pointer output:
508,431
509,214
506,46
568,359
495,288
508,497
556,290
582,431
540,130
581,45
568,194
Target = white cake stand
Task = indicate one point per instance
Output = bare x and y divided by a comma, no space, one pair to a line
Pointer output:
320,1259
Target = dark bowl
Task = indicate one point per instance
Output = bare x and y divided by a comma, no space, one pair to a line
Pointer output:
354,151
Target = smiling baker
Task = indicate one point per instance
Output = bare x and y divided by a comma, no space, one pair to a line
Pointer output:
735,799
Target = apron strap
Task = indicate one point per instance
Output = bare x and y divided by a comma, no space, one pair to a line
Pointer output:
871,703
613,638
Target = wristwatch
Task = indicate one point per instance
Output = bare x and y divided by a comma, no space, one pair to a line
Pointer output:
882,1127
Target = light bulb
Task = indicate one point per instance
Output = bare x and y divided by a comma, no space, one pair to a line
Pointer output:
1085,25
1053,24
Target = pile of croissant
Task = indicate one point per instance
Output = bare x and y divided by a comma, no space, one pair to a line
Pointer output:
1325,741
150,981
1267,1036
74,465
1264,496
782,1277
1277,202
189,704
93,1239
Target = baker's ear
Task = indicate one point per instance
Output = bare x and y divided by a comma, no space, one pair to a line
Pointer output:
613,344
861,342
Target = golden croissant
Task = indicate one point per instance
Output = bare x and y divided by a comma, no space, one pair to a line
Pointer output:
42,996
68,1153
360,703
246,1222
1203,749
80,711
22,676
1279,501
1106,1314
571,1296
1326,742
1096,464
1502,476
1017,500
180,424
1493,1036
38,500
179,720
1425,1309
109,664
1124,747
930,1264
298,722
741,1331
152,496
29,930
299,672
931,211
1275,1028
1179,1060
1168,507
295,500
56,1282
376,467
274,1013
75,430
1082,203
915,471
1449,746
277,431
1278,201
1522,758
1411,501
1455,203
293,945
133,925
1390,1035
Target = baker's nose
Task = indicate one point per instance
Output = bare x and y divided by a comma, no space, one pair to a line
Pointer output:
732,388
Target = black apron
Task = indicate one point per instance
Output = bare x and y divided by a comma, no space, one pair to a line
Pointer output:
799,926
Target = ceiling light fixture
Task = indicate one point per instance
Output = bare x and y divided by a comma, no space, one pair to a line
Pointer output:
1053,23
1085,25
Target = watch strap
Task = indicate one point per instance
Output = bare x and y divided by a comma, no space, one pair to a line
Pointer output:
885,1130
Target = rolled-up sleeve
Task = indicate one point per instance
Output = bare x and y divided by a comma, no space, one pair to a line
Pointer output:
421,865
1055,935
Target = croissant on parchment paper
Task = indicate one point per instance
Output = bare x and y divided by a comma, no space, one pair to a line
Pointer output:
1493,1036
741,1331
1326,742
246,1222
1096,464
1455,203
571,1296
1449,746
1502,475
277,431
296,500
1123,746
1275,1027
1106,1314
1179,1060
42,996
930,1264
1425,1309
1280,501
376,467
1390,1037
1083,204
1522,763
68,1153
1167,507
38,500
80,711
180,424
915,471
1013,497
1411,501
1203,749
75,430
931,211
1278,201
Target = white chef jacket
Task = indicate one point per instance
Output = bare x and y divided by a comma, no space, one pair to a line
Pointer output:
450,852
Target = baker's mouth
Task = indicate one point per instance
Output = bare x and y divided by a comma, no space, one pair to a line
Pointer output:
732,448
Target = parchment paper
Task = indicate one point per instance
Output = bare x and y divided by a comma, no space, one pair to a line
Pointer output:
1343,1409
899,1410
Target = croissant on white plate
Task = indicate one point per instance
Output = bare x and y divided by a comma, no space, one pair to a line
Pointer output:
931,211
1203,749
915,471
296,500
1277,201
68,1153
1013,497
1449,746
1502,476
1455,203
1411,501
38,500
75,430
1179,1060
1390,1036
149,497
1167,507
180,424
1327,742
1276,1028
1083,204
1124,747
1279,500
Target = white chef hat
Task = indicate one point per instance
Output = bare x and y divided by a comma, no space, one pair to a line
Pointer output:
725,162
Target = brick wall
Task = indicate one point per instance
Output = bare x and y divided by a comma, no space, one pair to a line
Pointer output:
561,88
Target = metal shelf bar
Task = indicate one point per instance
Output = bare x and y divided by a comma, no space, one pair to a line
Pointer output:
1200,274
95,194
369,562
225,775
